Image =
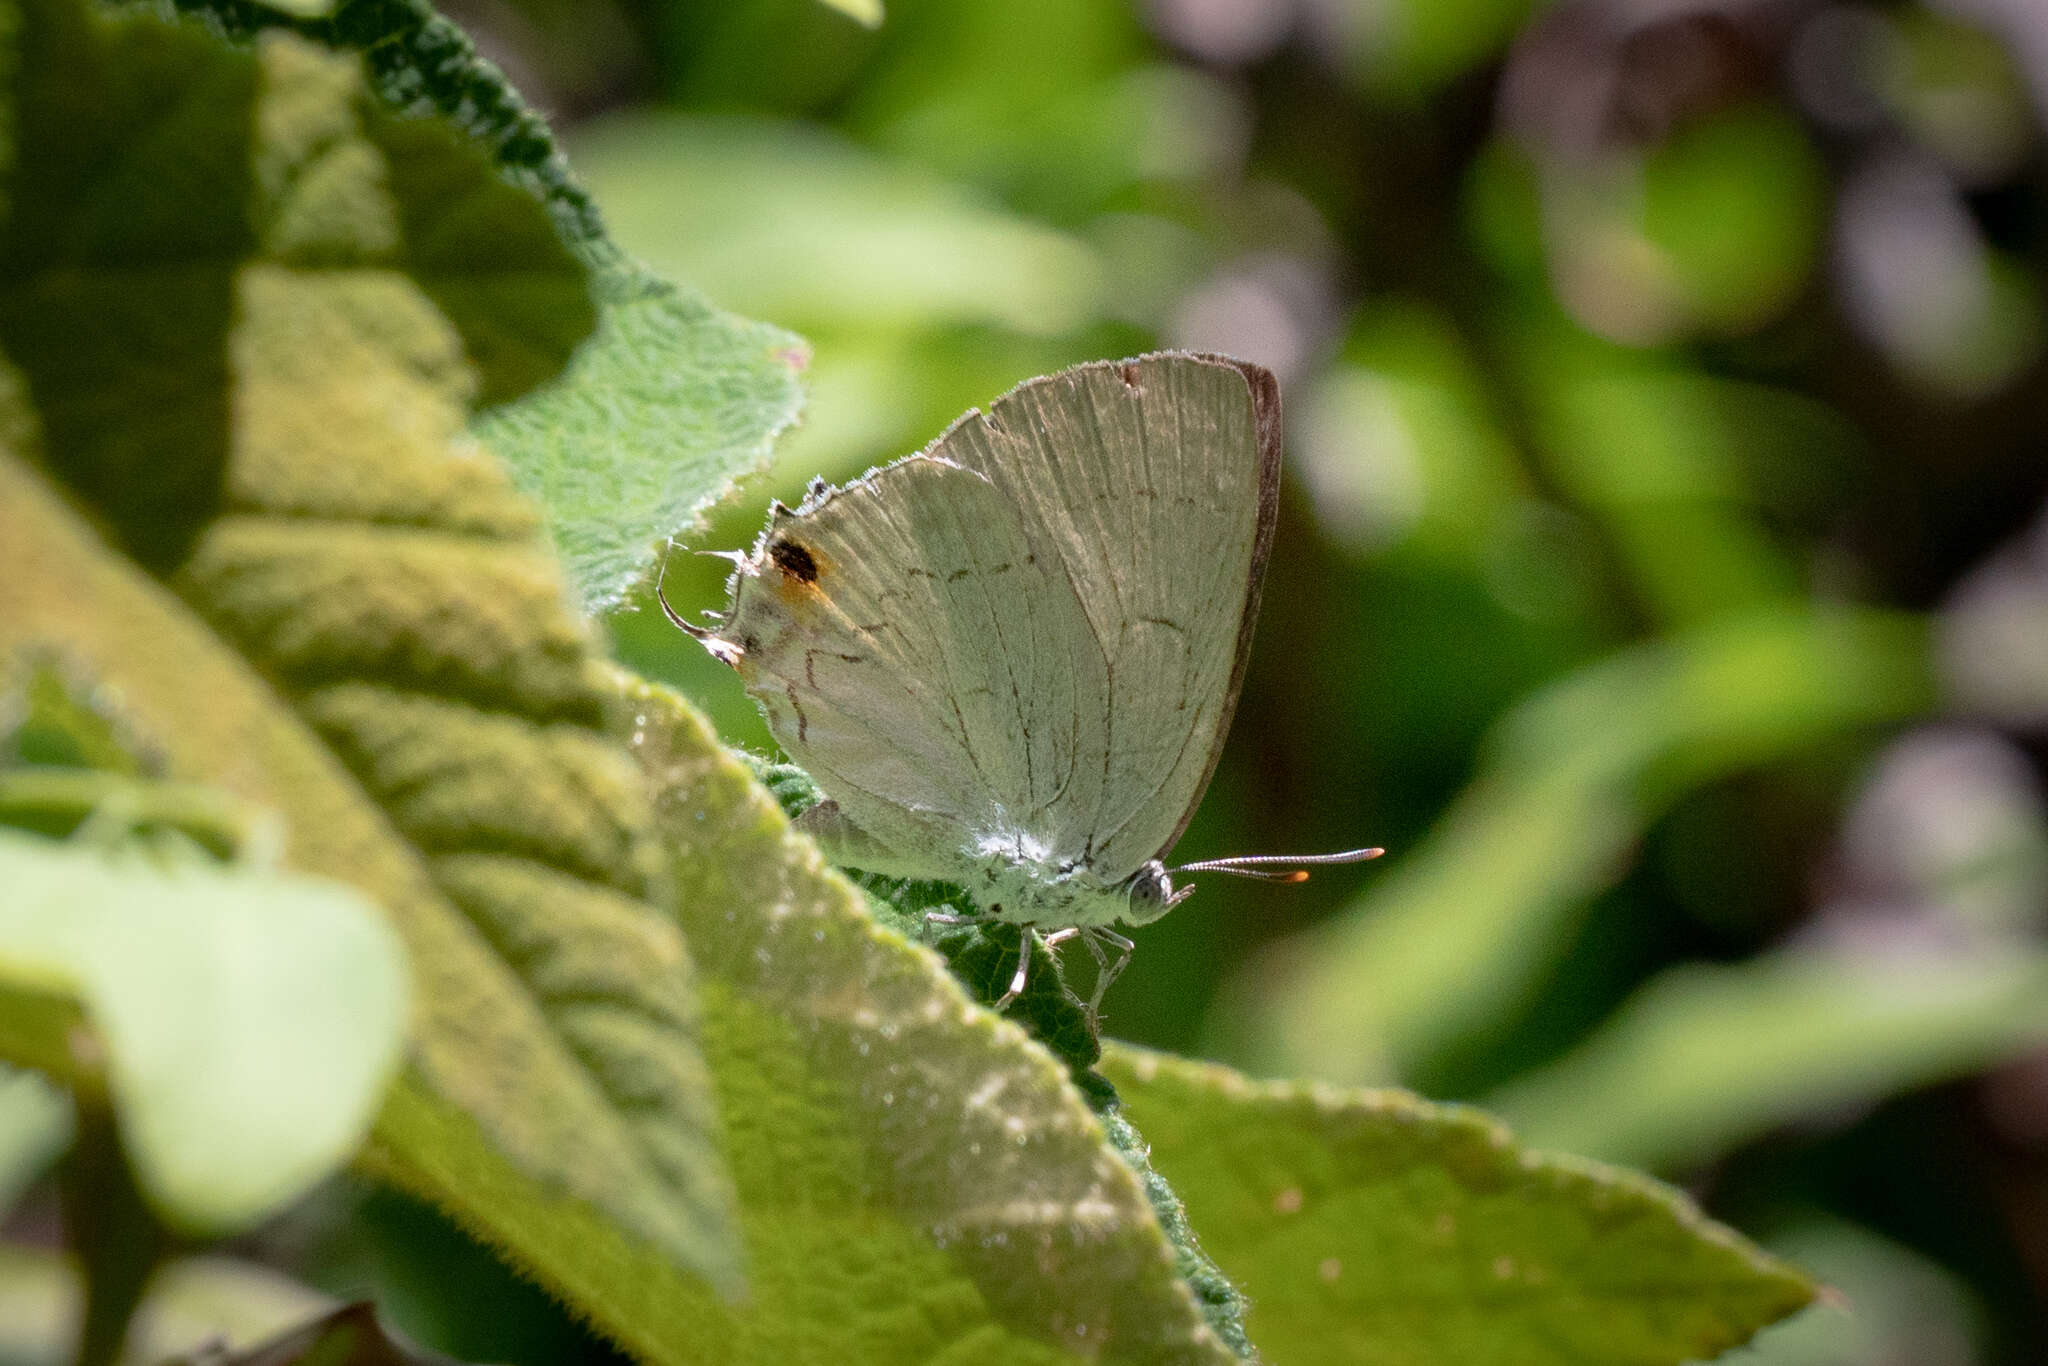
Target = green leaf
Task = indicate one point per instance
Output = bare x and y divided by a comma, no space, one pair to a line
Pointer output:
1705,1057
1373,1226
660,416
866,13
802,224
191,1302
1460,930
984,961
35,1126
918,1182
669,403
48,721
349,1336
356,623
1886,1302
249,1020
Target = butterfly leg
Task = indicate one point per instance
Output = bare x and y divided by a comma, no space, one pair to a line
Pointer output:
932,918
1105,970
1023,969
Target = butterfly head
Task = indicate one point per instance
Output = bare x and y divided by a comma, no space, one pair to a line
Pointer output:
1153,894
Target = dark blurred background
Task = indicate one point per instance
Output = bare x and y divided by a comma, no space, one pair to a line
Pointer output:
1662,575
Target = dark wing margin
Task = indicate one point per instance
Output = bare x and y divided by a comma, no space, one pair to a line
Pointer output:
1265,390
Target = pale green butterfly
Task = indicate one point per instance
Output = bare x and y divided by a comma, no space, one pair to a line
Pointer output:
1010,660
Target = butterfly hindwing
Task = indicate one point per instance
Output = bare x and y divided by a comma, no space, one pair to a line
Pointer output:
1156,480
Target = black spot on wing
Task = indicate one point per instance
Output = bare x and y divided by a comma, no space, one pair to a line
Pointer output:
794,560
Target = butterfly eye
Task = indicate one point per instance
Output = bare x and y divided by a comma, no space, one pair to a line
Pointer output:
1152,894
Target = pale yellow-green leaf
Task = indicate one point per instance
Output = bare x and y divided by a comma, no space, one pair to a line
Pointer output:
867,13
1373,1226
249,1020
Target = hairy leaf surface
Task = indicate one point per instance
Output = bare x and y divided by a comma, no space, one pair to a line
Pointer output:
255,517
1374,1226
667,405
917,1180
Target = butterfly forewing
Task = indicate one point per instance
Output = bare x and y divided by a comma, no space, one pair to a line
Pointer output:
1031,636
920,657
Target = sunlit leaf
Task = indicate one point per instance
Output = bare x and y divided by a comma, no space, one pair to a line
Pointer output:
353,621
1373,1226
867,13
665,407
249,1020
659,416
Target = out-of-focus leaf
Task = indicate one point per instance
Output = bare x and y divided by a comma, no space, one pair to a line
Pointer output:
1707,1056
917,1181
1885,1303
1735,209
1960,91
866,13
48,722
191,1302
796,223
1462,928
250,1021
1408,49
364,632
1401,438
1059,109
35,1125
1668,462
1714,230
664,408
1373,1226
349,1336
57,801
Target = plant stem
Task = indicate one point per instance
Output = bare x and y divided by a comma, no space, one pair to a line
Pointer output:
118,1240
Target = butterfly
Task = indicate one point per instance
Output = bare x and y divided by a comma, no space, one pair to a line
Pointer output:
1010,660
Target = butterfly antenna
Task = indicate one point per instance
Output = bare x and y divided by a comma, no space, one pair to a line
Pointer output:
722,650
675,618
1276,867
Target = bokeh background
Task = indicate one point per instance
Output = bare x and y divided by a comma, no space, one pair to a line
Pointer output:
1662,574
